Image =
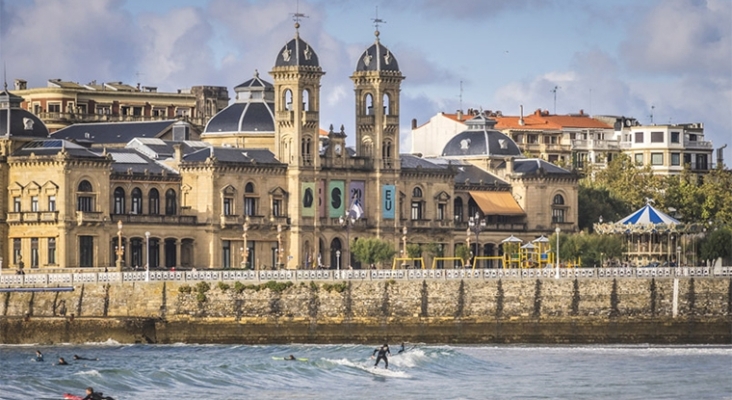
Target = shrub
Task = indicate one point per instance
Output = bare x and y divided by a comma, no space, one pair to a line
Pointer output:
185,289
202,287
335,287
223,286
201,297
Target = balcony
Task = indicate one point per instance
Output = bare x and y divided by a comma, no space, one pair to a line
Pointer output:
391,120
231,220
49,216
31,217
286,115
87,217
155,219
698,144
581,144
365,120
14,217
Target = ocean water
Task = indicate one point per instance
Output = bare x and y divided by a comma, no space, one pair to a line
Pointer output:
347,372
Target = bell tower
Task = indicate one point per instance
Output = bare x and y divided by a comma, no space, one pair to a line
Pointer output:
296,76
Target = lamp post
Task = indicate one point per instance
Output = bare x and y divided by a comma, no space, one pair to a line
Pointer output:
346,222
245,249
467,243
476,225
557,230
120,250
338,260
279,245
147,257
678,256
404,242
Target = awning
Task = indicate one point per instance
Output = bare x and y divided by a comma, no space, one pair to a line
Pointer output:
497,203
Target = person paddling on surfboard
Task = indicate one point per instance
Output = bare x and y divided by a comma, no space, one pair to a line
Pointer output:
382,352
39,356
92,395
291,357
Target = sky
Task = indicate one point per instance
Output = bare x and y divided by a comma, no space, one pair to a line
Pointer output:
660,61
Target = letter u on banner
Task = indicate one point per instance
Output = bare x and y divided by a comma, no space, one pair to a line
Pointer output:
388,201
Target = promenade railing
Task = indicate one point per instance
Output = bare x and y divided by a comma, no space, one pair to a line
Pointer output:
35,278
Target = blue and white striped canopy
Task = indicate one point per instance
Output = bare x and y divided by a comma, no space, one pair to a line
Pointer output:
648,215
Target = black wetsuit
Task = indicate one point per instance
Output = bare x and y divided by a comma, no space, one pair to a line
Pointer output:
382,352
401,350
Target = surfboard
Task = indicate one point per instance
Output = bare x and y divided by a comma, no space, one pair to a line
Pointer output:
287,359
69,396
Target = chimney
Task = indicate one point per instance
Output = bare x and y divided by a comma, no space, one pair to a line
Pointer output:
177,153
521,117
414,123
459,115
509,165
582,112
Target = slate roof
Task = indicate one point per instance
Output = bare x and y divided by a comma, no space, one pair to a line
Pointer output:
409,161
51,147
233,155
130,160
113,132
22,122
469,173
533,165
160,149
255,82
297,53
377,58
481,140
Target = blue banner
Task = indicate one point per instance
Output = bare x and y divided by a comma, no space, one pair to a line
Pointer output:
388,201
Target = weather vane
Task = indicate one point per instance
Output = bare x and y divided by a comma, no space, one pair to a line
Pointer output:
297,16
377,21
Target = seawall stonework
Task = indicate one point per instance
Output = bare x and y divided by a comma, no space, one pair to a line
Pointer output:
439,311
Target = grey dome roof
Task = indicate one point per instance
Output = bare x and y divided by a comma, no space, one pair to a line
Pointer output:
297,53
377,58
481,140
243,117
255,82
23,123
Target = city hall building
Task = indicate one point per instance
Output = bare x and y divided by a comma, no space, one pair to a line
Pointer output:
265,187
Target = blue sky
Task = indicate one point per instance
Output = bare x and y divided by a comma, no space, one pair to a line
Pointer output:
617,57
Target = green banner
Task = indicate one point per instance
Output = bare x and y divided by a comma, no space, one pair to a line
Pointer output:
336,198
308,200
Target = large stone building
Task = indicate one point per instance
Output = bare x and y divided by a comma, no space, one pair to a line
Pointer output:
63,103
266,188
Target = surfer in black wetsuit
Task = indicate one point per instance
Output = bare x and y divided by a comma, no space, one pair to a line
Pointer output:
291,357
61,361
84,358
402,349
382,352
39,356
92,395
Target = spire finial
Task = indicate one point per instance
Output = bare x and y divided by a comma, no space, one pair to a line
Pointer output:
377,21
297,16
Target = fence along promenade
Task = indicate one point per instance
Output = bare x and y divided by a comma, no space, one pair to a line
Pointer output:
249,276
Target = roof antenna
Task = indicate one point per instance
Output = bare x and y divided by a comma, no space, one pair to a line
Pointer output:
461,96
555,98
377,21
652,108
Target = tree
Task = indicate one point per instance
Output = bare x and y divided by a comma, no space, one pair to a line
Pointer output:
414,250
463,252
372,250
717,244
596,202
628,182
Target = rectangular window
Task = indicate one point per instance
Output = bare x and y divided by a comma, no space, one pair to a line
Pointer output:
458,211
16,251
656,137
104,110
86,251
85,204
34,203
656,158
701,162
639,158
277,207
52,251
558,215
51,203
226,254
250,206
416,211
16,204
674,137
34,252
441,211
228,206
692,137
675,159
81,108
54,107
639,137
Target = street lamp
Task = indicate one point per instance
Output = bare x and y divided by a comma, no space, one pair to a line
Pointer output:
467,243
120,250
338,260
678,256
557,230
245,249
279,245
404,241
147,257
476,225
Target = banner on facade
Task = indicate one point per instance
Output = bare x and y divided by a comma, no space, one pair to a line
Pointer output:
388,201
308,199
356,190
336,199
321,198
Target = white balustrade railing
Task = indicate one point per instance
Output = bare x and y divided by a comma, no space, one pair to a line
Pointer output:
78,278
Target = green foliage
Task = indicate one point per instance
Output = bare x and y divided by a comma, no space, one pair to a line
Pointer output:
591,248
717,244
313,286
434,249
185,289
203,287
278,287
414,250
201,297
239,287
596,202
463,252
627,181
335,287
223,286
372,250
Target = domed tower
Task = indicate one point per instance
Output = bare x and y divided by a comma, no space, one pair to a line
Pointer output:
296,77
377,83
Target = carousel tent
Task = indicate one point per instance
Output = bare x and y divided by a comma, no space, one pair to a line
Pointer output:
648,215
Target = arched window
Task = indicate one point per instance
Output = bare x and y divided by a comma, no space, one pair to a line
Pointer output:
287,100
249,188
369,103
417,204
119,201
85,197
136,206
417,192
558,209
153,199
387,105
458,209
170,202
250,202
306,100
558,200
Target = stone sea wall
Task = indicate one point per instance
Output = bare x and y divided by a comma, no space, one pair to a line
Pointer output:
632,310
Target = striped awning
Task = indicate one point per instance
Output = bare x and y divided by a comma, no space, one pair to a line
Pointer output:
648,215
497,203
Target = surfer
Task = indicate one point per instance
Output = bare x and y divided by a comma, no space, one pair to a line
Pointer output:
291,357
382,352
39,356
92,395
61,361
84,358
401,349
